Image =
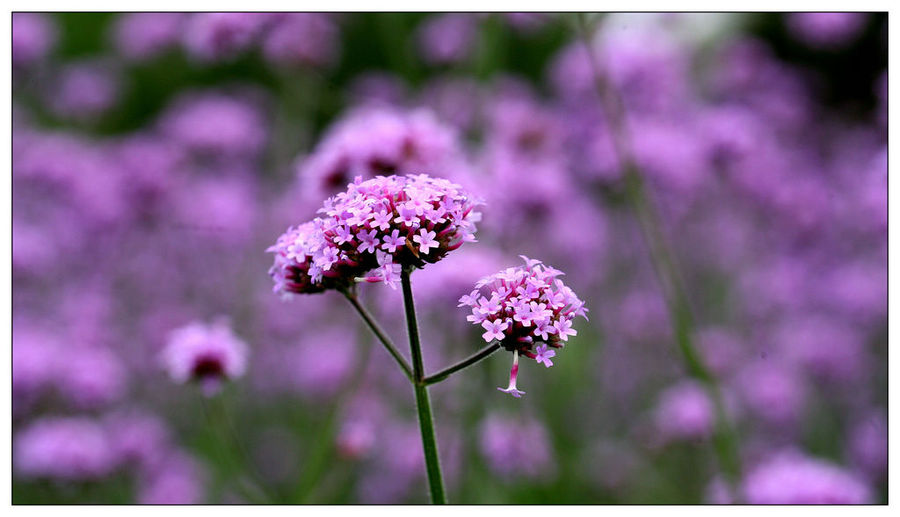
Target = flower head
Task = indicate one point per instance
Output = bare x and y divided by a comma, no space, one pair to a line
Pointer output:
372,229
205,353
524,306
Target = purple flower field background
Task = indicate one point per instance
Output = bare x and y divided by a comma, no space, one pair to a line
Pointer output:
157,156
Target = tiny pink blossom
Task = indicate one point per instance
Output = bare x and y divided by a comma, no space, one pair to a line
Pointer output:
425,240
564,329
544,353
393,241
494,330
368,241
468,299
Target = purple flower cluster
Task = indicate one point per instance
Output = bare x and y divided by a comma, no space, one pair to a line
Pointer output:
524,306
208,354
67,449
372,230
793,478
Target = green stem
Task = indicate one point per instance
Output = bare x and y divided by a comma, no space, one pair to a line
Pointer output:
426,423
472,359
230,447
386,341
663,259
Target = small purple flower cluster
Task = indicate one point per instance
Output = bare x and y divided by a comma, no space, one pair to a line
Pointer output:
525,305
372,230
208,354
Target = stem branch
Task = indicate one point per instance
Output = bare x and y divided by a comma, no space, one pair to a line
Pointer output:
386,341
472,359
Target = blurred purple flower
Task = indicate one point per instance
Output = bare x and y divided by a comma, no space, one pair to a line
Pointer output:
91,376
790,477
209,354
516,447
137,437
34,360
447,38
85,90
178,479
685,412
215,124
527,23
775,392
220,209
321,363
302,39
143,36
33,36
223,36
824,347
65,449
374,141
826,30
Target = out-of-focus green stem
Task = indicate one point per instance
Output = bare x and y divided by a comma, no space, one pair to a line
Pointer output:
217,418
663,259
426,423
324,444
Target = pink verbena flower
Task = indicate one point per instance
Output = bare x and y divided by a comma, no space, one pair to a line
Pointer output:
372,229
524,306
208,354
